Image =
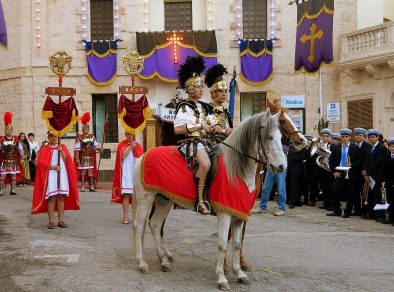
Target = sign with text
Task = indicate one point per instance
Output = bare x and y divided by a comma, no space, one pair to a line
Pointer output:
166,114
293,101
333,112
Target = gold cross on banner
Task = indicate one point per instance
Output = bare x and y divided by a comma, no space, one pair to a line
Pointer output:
174,39
314,35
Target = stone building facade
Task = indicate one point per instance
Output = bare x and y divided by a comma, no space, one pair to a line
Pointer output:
24,70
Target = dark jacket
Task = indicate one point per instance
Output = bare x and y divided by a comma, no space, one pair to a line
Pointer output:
354,157
375,162
389,170
365,150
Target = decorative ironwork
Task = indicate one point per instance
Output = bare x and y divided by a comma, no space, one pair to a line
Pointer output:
133,63
60,63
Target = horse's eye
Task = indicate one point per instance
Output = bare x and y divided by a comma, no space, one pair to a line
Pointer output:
270,138
282,122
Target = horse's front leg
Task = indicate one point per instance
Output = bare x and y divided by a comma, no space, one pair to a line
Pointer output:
156,224
223,229
143,203
236,234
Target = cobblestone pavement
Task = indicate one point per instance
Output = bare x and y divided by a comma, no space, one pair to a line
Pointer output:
301,251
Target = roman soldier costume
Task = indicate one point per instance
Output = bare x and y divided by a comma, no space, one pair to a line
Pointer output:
85,154
191,117
10,153
221,120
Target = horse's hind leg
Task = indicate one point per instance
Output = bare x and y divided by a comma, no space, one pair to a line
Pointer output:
223,229
143,203
236,234
156,222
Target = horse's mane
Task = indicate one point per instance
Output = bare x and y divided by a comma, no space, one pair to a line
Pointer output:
244,139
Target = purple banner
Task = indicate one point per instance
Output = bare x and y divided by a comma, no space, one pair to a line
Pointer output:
101,70
3,29
256,61
161,62
314,45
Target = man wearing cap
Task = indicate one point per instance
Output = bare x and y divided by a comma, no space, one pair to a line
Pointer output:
344,154
374,169
335,139
324,175
365,149
389,180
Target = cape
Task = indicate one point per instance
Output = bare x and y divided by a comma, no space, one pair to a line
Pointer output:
95,171
19,176
164,171
117,182
40,185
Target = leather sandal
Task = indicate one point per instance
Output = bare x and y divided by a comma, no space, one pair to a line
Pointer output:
201,210
62,224
51,225
125,221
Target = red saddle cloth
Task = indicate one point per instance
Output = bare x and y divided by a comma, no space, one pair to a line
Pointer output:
164,170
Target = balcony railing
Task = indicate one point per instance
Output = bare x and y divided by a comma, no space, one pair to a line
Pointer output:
373,43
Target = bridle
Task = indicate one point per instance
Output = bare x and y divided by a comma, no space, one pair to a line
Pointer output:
289,137
260,146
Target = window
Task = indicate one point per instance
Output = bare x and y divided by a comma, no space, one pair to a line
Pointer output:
254,19
101,19
105,105
252,103
178,15
360,113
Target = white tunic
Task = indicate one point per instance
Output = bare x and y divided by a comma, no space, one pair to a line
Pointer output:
52,189
127,174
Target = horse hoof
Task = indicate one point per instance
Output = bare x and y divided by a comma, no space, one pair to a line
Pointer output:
165,268
224,286
244,281
144,270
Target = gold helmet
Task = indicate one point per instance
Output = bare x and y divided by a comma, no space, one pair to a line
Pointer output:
214,78
190,74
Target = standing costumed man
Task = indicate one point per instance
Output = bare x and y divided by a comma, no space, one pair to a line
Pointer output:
85,154
10,153
123,184
55,188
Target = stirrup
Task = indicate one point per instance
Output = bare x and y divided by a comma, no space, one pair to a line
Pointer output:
206,205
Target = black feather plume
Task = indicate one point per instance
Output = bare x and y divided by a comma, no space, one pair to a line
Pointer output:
192,65
214,73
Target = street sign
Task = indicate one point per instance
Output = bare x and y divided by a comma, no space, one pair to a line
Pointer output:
333,112
293,101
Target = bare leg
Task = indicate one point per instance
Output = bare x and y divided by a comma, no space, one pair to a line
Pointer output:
236,233
13,184
204,164
51,209
163,207
83,173
60,208
125,206
223,229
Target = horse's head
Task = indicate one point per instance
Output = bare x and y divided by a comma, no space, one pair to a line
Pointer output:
291,136
270,145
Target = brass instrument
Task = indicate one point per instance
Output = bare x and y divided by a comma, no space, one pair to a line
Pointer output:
364,194
316,147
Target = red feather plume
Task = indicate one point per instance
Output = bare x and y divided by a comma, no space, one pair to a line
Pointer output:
85,118
7,118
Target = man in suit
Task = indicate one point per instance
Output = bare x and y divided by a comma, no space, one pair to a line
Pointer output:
374,169
342,155
365,149
389,180
324,175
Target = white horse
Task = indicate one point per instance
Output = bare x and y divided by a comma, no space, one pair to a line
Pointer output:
258,136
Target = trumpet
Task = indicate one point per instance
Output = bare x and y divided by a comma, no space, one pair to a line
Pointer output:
348,164
364,194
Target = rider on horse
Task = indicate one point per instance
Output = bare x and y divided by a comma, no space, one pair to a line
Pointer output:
192,119
222,123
